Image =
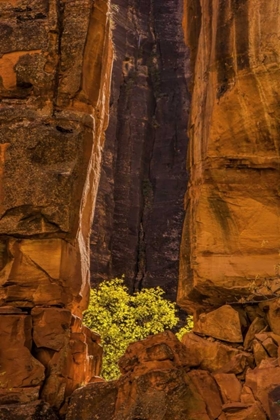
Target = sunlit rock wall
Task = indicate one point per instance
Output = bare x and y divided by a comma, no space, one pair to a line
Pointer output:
55,69
231,237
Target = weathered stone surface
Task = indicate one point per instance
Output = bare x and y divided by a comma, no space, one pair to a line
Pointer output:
158,395
55,68
256,327
53,111
139,210
38,410
71,359
223,323
93,401
230,242
150,389
263,382
259,352
273,402
51,326
19,395
270,347
214,356
18,368
163,351
229,386
207,387
274,315
253,412
55,60
247,396
265,335
161,394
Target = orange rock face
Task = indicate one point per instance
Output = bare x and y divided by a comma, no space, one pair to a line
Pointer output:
230,247
223,323
201,377
55,67
158,382
156,386
19,368
55,64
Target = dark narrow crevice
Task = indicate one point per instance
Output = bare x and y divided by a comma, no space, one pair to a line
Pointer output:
139,212
60,13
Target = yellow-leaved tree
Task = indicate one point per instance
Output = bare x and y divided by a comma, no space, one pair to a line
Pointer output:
121,318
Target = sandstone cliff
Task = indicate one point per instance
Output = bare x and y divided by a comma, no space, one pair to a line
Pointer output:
139,212
231,241
228,367
55,67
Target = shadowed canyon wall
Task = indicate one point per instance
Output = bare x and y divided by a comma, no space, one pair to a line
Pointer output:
139,211
55,70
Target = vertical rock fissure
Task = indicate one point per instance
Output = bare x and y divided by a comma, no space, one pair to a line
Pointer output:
139,213
58,32
147,187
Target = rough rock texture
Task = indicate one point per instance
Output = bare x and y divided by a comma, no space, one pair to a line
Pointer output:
228,368
55,60
223,323
231,238
139,210
198,378
37,410
55,67
146,391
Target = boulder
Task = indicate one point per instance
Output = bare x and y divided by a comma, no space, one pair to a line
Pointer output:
270,347
38,410
163,351
274,403
263,336
273,315
259,352
156,384
223,324
157,395
251,412
230,387
263,381
215,356
19,395
207,388
93,400
247,396
256,326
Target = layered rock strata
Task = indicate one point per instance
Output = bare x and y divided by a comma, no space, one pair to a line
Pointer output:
139,211
232,377
231,241
55,64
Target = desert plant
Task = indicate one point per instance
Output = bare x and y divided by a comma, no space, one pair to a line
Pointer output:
121,318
